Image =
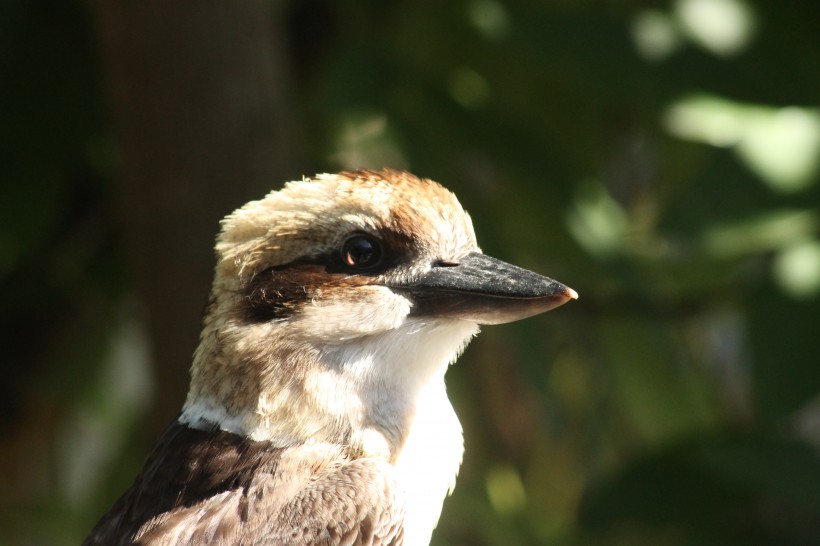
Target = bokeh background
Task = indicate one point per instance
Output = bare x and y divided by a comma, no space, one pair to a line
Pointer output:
660,157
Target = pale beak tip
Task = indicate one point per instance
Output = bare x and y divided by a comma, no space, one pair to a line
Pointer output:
570,293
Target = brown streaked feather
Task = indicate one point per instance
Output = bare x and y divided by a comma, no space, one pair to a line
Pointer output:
214,487
272,294
277,292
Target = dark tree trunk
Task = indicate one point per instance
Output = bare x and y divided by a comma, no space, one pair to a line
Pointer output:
199,95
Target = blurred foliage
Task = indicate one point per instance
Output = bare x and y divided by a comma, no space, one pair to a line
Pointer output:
659,157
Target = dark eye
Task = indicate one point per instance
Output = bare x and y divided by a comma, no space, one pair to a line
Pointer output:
362,252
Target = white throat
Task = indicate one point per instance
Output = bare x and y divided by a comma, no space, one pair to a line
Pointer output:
404,370
388,389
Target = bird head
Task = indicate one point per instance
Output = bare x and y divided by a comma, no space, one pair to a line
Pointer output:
337,299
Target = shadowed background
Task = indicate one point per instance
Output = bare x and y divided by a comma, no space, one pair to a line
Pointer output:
661,158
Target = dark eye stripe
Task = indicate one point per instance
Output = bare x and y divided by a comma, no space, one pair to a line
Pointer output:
273,294
278,292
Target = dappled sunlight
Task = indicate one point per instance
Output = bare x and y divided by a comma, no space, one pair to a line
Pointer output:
124,393
783,146
597,221
707,119
656,34
468,88
505,490
762,233
364,139
797,269
780,145
723,27
490,18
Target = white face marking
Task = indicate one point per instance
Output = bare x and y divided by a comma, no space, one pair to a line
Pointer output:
374,310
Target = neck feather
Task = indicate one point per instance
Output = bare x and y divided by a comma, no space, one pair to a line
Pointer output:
261,382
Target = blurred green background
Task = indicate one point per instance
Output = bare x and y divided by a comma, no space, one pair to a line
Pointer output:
661,158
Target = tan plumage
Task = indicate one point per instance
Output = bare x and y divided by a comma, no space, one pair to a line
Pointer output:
317,412
205,487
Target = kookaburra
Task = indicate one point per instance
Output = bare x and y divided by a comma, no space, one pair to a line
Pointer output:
317,412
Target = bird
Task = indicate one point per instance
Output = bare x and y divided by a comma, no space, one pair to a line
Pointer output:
317,411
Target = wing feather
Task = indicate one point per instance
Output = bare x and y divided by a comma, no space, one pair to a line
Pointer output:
213,487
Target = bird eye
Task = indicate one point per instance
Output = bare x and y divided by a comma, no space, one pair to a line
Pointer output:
362,252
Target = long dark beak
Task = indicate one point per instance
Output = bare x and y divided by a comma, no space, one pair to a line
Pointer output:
484,290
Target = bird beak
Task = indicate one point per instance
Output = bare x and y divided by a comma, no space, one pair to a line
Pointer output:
484,290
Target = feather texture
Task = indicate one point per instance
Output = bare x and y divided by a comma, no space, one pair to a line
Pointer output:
213,487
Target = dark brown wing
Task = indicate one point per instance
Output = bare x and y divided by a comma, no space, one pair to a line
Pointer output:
213,487
188,467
